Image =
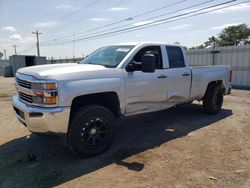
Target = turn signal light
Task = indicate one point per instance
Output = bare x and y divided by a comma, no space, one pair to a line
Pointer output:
50,100
50,86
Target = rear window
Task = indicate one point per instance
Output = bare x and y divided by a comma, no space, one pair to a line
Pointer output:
175,57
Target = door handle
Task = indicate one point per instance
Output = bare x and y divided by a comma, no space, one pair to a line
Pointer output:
162,76
185,74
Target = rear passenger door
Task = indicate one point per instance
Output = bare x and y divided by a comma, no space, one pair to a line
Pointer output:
178,76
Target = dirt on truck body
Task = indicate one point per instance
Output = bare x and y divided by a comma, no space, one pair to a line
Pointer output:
178,147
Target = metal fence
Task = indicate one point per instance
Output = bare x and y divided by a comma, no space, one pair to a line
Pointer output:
70,60
238,57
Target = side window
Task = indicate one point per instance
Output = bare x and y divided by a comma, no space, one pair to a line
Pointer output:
154,50
175,57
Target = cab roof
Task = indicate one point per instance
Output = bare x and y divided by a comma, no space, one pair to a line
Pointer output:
147,43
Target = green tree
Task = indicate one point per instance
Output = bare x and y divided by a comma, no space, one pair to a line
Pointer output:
234,35
211,41
231,36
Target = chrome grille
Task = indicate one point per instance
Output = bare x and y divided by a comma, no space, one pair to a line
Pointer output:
23,83
25,97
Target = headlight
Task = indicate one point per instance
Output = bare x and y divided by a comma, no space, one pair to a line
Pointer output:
44,93
44,86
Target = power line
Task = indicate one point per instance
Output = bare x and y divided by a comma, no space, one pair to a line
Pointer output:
150,18
126,19
201,13
75,12
121,2
37,41
82,8
148,24
28,49
85,7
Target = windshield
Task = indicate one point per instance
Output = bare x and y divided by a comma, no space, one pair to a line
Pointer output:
109,56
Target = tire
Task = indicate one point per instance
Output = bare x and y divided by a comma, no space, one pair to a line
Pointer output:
91,131
213,99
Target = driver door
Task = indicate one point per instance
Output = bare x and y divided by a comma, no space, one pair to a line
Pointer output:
146,92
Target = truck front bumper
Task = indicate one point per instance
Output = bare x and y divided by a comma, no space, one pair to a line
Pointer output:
40,119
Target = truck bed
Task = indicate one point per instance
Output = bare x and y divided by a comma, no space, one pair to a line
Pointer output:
202,75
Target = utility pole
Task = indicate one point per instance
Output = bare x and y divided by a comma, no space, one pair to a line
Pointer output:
214,51
14,46
5,54
73,45
37,41
213,39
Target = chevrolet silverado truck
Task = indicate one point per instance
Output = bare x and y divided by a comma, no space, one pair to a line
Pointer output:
84,100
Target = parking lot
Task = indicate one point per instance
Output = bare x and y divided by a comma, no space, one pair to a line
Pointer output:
179,147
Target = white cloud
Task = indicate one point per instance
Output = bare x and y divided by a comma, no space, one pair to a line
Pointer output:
16,38
219,27
98,19
178,27
28,40
65,7
8,28
46,24
118,9
199,31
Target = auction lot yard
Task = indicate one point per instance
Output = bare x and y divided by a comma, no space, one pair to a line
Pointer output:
179,147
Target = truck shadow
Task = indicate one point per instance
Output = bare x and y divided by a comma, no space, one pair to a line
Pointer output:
46,161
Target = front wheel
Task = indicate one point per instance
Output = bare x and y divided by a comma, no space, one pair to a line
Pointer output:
213,99
91,131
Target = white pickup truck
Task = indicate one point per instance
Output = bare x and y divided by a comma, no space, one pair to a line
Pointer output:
84,100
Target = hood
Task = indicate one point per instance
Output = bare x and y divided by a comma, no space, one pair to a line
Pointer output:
59,70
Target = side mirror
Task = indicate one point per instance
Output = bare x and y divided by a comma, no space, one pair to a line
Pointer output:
130,67
148,63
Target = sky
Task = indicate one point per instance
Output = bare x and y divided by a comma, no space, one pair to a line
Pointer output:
65,20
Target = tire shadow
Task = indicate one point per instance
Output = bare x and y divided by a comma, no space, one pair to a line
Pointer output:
46,161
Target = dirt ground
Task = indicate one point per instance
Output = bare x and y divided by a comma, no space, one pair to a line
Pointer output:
179,147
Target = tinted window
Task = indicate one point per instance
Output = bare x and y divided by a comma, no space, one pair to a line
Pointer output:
154,50
175,57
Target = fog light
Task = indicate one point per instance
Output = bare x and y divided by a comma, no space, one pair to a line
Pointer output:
50,100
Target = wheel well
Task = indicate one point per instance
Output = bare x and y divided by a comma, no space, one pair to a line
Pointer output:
214,83
109,100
